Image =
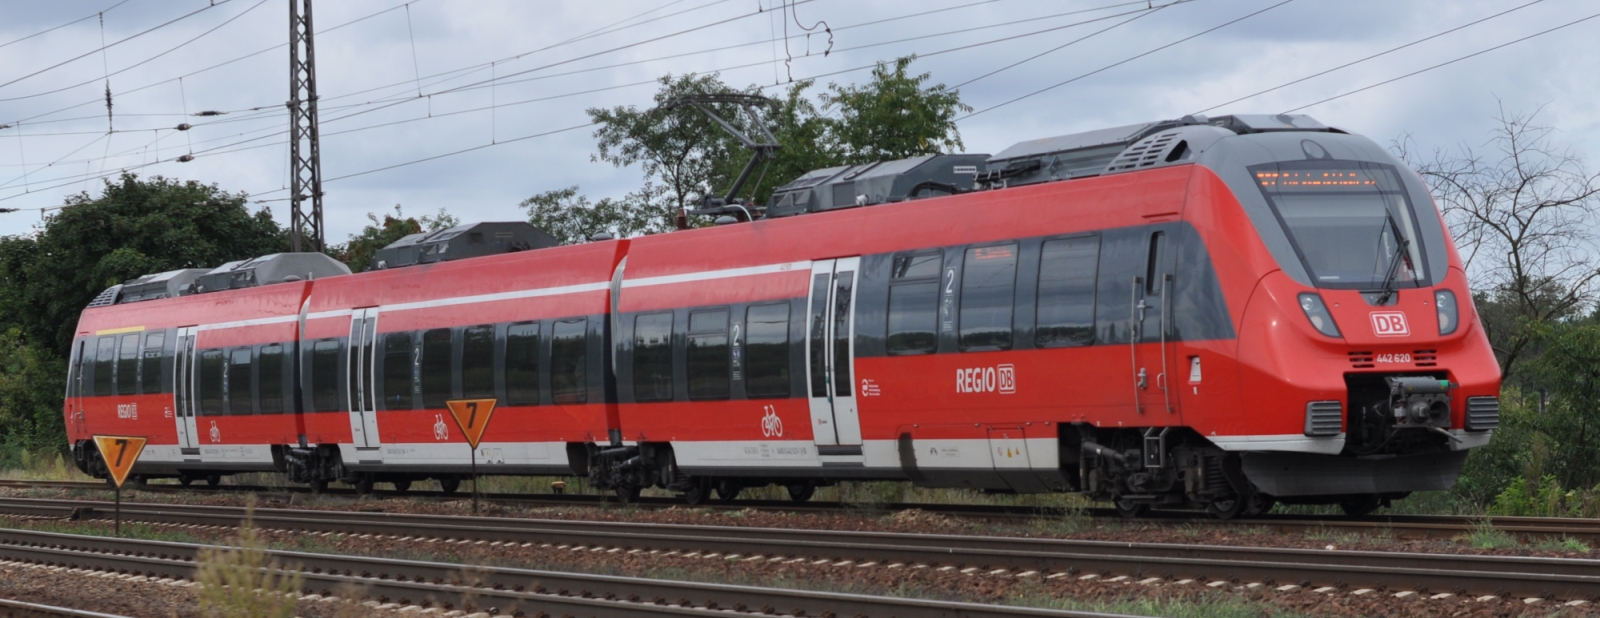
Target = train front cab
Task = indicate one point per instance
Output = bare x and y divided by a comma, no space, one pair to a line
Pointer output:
1363,372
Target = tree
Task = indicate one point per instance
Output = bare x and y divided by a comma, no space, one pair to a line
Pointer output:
31,383
686,156
894,116
357,252
572,219
1524,216
134,227
1570,368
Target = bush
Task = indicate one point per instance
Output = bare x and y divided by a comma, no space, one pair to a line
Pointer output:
245,581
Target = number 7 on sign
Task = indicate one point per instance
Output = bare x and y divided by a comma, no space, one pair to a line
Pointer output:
465,411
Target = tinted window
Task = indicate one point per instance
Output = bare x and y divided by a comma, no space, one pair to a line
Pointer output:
708,355
104,380
522,364
477,362
435,368
767,351
128,365
914,305
269,368
150,371
212,365
1066,291
397,370
569,351
325,376
819,334
239,383
652,357
989,276
842,295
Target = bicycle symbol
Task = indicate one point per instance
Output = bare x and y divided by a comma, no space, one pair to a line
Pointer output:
771,425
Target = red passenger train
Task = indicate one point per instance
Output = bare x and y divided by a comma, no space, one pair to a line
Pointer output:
1202,313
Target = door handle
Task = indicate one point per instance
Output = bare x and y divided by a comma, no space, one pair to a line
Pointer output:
1144,381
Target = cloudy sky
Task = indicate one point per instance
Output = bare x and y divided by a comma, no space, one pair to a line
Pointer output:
454,84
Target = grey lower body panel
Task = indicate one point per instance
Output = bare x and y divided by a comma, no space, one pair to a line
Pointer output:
1305,474
452,469
852,472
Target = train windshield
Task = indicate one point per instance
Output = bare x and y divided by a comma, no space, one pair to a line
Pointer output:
1350,221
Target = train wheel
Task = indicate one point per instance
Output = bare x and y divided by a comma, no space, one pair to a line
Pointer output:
449,486
1356,506
628,494
319,486
728,490
364,484
1260,505
1228,508
402,485
1130,510
801,492
698,494
213,479
185,480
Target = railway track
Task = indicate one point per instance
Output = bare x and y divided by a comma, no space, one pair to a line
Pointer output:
11,608
1522,577
1398,526
497,590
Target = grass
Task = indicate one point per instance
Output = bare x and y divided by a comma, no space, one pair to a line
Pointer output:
1485,536
244,580
40,466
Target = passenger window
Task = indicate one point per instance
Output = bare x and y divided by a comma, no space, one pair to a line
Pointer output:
477,362
569,352
212,366
436,368
522,364
239,383
150,370
1152,265
1067,270
708,355
652,357
767,351
914,304
128,365
397,371
325,376
270,366
988,282
104,379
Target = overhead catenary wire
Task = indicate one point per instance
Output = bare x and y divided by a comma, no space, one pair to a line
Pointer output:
55,28
1125,60
1446,63
1377,55
119,42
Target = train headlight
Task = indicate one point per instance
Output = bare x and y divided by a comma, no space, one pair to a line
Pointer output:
1449,316
1318,314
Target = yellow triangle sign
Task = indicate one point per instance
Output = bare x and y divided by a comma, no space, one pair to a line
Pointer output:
119,453
472,416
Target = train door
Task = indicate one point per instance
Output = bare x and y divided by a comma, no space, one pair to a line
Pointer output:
1151,346
363,404
75,414
830,352
183,395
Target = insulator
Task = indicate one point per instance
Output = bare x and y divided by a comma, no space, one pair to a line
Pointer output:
186,158
209,112
183,127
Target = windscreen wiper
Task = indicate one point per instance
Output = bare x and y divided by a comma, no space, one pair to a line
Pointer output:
1402,250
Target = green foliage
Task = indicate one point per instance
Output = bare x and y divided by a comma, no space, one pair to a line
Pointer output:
1543,498
357,252
1485,536
686,156
245,580
31,385
572,219
134,227
894,116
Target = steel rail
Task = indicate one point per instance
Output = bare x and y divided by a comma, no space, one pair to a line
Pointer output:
1495,575
1400,526
503,590
12,608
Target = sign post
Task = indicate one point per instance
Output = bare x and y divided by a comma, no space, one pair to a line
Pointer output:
119,453
472,416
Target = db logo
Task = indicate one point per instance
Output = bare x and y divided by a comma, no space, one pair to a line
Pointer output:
1390,324
771,425
997,379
